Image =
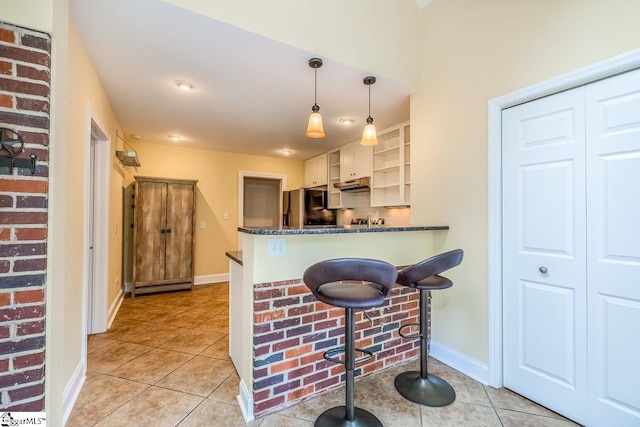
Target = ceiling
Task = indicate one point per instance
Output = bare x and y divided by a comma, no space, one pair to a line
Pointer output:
253,95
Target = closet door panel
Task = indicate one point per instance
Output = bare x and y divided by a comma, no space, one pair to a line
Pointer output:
613,224
544,277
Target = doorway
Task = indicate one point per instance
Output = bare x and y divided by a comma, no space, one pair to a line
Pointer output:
274,184
96,215
261,202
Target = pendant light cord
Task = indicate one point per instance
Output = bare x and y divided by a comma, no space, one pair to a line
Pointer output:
369,100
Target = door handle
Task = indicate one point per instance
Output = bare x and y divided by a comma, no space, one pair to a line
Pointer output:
543,270
168,230
163,231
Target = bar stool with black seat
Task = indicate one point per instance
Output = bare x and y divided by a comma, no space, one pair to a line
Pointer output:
350,283
422,387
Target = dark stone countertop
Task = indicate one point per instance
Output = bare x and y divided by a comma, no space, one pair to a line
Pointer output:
235,256
338,229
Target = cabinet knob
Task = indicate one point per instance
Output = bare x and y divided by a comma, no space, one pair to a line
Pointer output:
543,270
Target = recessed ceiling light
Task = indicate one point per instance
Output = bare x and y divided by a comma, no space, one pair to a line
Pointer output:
135,136
287,152
185,86
346,121
174,138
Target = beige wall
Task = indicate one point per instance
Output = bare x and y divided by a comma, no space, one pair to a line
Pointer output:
85,91
35,14
475,51
216,193
378,36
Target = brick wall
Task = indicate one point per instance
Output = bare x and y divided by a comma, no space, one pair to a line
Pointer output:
25,63
292,330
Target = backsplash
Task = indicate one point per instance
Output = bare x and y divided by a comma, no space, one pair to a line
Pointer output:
397,217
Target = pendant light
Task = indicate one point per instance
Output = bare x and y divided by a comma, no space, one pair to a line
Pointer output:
314,129
369,137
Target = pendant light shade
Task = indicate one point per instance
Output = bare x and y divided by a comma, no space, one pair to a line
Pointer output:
369,137
314,128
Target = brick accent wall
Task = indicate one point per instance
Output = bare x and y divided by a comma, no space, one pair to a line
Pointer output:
25,62
292,330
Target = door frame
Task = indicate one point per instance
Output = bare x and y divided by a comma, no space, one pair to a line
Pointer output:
96,134
601,70
249,174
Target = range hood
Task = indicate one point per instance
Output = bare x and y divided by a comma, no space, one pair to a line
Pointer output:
355,185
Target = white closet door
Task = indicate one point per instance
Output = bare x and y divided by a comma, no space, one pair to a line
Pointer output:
544,254
613,224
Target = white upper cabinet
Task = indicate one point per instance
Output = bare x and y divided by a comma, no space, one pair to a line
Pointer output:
390,167
354,161
315,171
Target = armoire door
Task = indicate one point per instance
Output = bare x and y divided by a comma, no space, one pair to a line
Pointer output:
613,249
179,229
150,242
544,252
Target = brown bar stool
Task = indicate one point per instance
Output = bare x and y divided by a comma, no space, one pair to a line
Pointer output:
349,283
422,387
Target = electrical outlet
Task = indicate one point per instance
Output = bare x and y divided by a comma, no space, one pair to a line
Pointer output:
225,215
277,247
202,224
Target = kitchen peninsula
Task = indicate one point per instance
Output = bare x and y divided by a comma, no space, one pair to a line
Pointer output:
278,331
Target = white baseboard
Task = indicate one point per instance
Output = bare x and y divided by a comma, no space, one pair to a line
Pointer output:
245,399
197,280
72,391
115,306
210,278
460,362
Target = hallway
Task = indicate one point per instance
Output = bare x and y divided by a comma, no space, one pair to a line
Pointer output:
164,362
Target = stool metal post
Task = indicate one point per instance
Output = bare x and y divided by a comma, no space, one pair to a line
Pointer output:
422,387
348,415
425,299
350,362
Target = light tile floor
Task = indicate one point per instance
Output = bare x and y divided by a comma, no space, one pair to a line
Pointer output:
164,362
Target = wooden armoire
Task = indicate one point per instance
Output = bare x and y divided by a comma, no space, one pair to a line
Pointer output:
163,228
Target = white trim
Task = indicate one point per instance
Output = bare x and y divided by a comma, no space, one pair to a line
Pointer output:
210,278
460,362
115,306
100,272
245,400
249,174
580,77
72,391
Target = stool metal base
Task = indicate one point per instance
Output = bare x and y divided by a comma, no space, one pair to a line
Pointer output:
336,417
429,391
